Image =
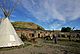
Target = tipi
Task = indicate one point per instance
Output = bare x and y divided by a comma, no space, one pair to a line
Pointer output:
8,35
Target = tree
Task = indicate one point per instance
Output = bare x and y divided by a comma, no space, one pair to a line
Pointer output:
63,29
66,29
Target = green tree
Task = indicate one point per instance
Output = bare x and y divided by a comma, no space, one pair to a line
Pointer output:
66,29
63,29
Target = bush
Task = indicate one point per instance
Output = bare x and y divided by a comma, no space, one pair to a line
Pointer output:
23,38
47,38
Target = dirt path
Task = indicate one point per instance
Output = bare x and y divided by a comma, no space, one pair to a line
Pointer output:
44,48
33,50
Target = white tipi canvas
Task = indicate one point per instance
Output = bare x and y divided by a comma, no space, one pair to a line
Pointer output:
8,35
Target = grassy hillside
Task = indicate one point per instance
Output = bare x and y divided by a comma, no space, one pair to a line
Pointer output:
27,25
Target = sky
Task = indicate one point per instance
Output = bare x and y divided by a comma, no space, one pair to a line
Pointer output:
50,14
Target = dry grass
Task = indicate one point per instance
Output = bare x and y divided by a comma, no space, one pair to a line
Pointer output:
44,47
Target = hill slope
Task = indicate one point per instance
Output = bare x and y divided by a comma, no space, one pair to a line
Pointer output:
27,25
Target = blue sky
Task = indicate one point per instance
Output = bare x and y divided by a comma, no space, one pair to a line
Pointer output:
50,14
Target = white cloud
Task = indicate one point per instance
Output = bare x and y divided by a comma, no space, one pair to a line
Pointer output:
43,11
12,21
70,9
55,25
13,16
49,10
